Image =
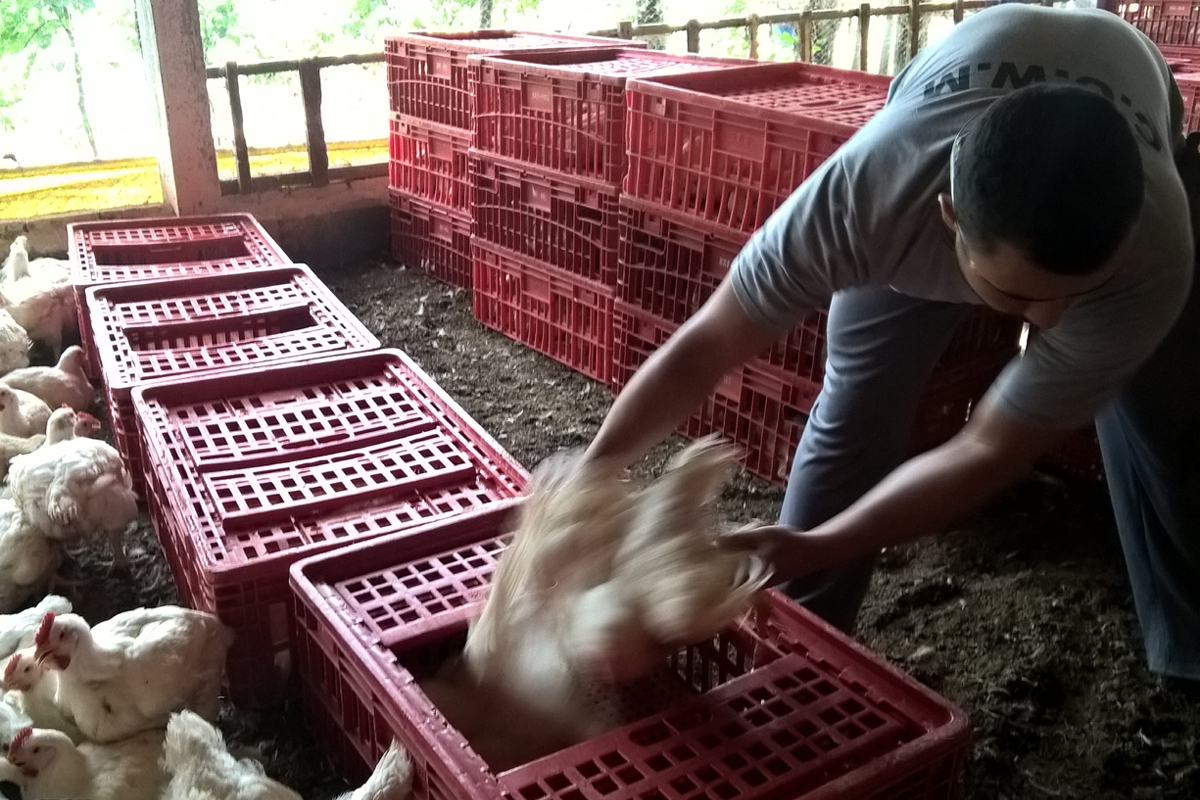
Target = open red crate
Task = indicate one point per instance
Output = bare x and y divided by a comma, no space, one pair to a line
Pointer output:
148,331
566,111
1189,87
729,146
1166,22
432,239
429,161
250,471
427,71
565,221
554,312
162,248
763,407
756,406
791,709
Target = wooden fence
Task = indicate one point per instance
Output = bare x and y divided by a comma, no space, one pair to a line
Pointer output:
320,174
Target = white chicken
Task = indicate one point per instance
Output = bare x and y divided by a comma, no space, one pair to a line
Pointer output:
54,768
18,265
200,768
18,629
129,673
42,302
75,487
513,674
29,561
21,413
13,446
64,384
671,584
33,688
14,344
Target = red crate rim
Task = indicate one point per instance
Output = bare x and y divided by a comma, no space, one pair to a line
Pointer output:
706,87
398,198
583,181
474,41
575,63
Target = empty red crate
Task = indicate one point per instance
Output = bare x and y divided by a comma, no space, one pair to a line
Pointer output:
1166,22
670,264
429,161
729,146
790,709
756,405
161,248
432,239
147,331
1189,87
565,221
763,407
566,111
427,71
251,471
556,313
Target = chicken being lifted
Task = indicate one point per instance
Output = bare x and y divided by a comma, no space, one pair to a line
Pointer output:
131,672
53,768
64,384
671,584
74,487
200,768
513,675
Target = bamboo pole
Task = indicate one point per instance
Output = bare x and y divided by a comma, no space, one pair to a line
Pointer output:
864,28
240,151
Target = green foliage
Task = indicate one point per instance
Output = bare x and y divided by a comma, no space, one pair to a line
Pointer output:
33,24
218,23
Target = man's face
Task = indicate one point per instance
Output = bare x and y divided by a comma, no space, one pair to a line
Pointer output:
1012,284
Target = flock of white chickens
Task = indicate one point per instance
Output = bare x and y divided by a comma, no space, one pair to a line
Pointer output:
121,710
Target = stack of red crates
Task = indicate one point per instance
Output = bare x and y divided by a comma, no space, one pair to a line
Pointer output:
711,156
1173,25
780,707
431,106
548,160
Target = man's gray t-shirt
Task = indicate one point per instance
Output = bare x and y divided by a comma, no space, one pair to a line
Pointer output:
869,215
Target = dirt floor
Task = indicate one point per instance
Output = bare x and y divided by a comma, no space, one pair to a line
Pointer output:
1022,615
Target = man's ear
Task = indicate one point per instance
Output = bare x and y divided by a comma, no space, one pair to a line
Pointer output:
948,214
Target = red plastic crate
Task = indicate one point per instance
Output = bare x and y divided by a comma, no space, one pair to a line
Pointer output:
556,313
764,408
147,331
796,711
432,239
427,71
429,161
251,471
566,111
1189,87
729,146
1166,22
162,248
565,221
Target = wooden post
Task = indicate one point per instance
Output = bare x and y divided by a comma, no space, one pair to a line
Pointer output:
752,23
958,11
914,28
806,36
310,92
693,36
241,152
864,27
625,28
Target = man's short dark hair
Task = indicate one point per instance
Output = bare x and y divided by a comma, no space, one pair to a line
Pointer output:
1054,171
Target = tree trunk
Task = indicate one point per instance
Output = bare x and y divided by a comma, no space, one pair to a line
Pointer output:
650,12
65,16
485,14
